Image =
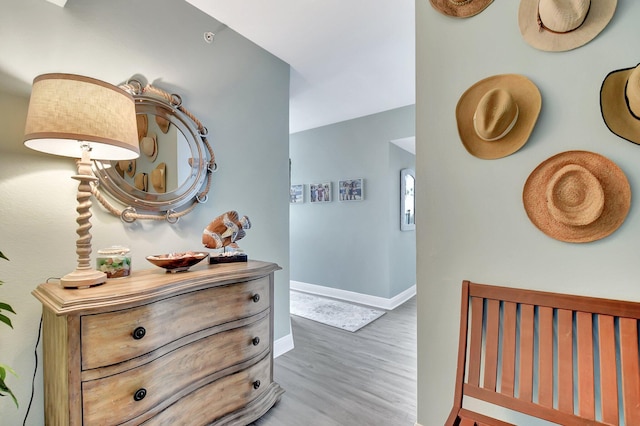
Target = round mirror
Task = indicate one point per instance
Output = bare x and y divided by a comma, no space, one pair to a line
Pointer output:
173,171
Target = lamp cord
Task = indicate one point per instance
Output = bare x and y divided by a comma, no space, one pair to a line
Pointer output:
35,369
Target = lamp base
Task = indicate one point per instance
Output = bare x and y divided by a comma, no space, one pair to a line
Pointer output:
83,278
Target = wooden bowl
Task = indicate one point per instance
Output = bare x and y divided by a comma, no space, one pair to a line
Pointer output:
177,262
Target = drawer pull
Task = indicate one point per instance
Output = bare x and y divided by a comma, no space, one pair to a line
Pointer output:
140,394
139,333
256,298
256,384
255,341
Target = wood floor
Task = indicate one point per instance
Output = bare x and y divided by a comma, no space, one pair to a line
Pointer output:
339,378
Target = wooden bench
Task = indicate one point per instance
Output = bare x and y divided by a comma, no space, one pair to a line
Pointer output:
570,360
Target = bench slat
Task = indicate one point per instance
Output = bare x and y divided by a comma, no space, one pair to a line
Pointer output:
586,395
525,380
545,356
630,370
475,350
491,345
508,348
608,371
565,361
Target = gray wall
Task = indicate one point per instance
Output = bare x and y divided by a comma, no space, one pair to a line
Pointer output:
348,245
239,91
471,223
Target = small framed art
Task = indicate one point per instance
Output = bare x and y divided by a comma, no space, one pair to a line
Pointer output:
320,192
296,194
351,190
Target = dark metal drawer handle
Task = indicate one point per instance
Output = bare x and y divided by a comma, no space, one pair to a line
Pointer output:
255,341
139,333
140,394
256,298
256,384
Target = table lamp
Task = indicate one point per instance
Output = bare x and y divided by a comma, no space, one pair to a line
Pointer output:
81,117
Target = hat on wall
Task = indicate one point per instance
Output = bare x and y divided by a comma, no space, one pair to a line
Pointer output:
460,8
141,181
496,115
143,124
158,178
149,146
559,25
577,196
620,103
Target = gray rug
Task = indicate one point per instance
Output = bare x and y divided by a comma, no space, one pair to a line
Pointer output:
331,312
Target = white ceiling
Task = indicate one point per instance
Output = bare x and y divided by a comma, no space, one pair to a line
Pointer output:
348,58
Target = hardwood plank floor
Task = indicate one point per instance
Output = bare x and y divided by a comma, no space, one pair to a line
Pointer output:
338,378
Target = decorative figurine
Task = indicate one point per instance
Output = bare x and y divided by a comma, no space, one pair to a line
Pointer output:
223,232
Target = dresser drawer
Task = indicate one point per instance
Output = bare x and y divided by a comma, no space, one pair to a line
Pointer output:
113,400
214,401
114,337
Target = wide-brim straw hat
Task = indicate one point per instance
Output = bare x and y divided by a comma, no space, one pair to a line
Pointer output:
149,146
143,125
158,178
577,196
556,26
514,92
460,8
620,103
141,181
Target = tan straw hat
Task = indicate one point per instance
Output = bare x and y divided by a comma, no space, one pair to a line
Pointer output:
496,115
149,146
577,196
141,181
620,103
460,8
158,178
559,25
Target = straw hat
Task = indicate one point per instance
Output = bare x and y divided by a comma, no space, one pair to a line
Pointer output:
149,146
143,125
141,181
559,25
620,103
460,8
577,196
163,123
158,178
496,115
126,166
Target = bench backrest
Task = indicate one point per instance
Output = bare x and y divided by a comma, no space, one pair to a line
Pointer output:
570,360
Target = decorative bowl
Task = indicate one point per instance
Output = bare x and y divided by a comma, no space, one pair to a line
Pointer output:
177,262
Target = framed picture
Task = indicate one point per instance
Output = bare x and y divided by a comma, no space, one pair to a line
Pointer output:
296,194
320,192
351,190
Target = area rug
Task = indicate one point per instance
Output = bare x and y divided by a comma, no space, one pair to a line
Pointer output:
331,312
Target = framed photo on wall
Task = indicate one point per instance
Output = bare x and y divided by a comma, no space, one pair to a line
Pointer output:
320,192
351,190
296,194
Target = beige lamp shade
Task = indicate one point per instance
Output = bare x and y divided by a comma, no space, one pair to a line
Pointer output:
67,111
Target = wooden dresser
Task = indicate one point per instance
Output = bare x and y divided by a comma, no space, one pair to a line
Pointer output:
191,348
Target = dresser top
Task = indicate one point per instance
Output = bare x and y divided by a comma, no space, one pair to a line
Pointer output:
147,285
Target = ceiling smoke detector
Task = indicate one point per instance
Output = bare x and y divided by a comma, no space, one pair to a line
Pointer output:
208,36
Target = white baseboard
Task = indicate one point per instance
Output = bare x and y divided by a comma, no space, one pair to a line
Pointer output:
418,424
350,296
283,344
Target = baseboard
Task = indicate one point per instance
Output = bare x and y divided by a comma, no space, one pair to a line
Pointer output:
418,424
351,296
283,344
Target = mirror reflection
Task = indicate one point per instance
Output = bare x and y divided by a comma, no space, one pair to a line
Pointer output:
163,164
407,200
174,169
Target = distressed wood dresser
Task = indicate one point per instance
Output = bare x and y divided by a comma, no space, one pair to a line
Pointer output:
158,348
